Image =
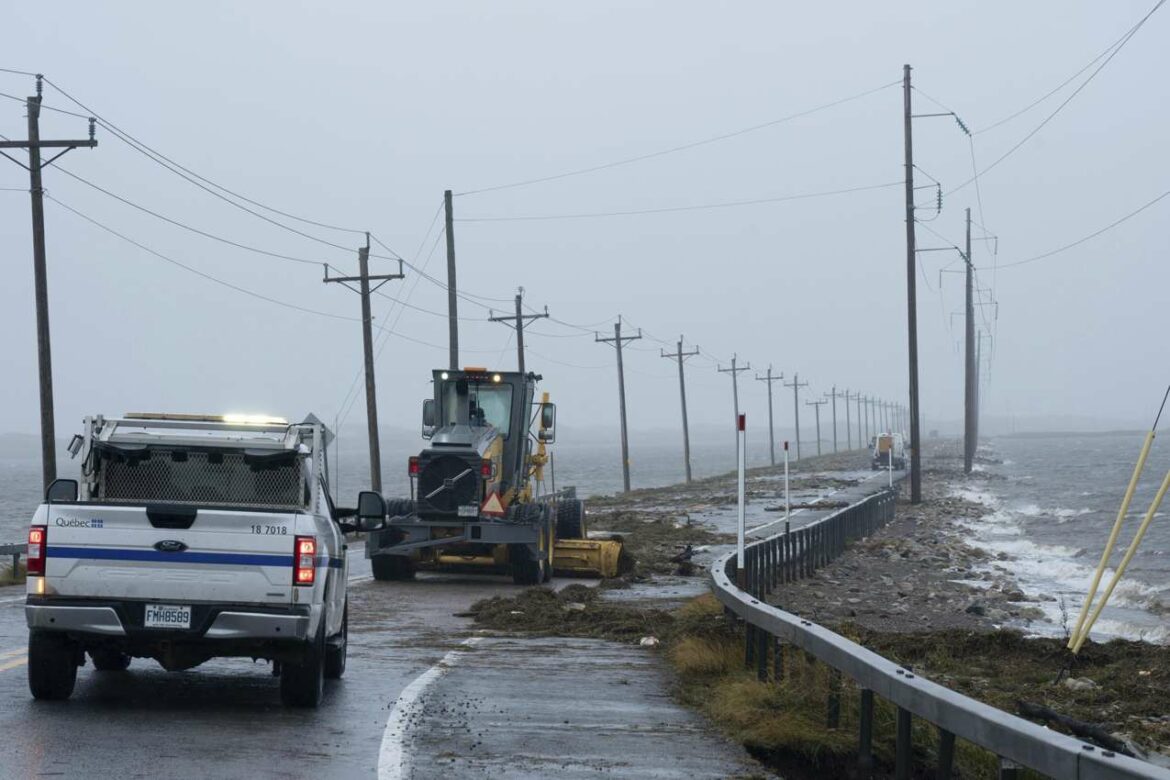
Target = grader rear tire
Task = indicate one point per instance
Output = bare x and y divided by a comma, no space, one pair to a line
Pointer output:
571,519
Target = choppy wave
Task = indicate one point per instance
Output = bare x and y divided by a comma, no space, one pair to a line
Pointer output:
1061,571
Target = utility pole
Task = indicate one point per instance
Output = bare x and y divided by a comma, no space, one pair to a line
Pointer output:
860,440
452,297
969,368
363,279
868,428
848,427
833,395
681,357
734,371
911,295
517,323
796,385
817,410
771,431
34,144
617,341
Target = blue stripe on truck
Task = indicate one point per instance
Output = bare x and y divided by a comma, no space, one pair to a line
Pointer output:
239,559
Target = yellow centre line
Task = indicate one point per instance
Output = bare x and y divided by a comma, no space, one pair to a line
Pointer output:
13,664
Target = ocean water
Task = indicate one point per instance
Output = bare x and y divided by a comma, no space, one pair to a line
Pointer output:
1051,504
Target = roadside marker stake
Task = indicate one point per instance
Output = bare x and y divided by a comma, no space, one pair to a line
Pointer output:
787,494
740,456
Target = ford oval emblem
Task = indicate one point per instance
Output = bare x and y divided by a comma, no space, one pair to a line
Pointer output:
170,546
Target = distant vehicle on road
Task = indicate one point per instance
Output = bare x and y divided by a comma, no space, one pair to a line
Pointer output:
190,537
886,446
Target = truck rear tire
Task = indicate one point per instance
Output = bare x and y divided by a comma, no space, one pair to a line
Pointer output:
303,684
335,649
109,660
52,666
392,568
571,519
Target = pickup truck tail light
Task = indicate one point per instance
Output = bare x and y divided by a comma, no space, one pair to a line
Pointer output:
304,560
38,538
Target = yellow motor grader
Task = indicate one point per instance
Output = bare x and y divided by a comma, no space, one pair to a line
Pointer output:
477,492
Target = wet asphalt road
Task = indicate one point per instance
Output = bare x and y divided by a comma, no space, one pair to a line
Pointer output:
500,711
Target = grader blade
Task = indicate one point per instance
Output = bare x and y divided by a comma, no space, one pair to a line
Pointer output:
587,557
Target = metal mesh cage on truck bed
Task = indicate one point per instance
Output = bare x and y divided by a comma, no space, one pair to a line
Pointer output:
202,477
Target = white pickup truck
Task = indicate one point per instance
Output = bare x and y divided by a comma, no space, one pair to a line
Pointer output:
190,537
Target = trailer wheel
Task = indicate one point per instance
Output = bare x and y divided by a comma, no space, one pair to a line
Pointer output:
52,665
303,684
392,568
109,660
571,519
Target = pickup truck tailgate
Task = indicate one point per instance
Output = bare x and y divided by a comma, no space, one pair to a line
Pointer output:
170,553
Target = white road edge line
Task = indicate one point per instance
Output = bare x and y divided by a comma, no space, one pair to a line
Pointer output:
393,760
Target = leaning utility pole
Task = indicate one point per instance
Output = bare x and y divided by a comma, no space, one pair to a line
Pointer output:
969,368
681,357
617,340
817,409
363,279
734,381
452,297
868,430
517,321
796,385
911,296
771,431
34,144
834,395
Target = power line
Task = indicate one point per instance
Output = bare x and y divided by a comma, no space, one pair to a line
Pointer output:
187,227
669,209
1125,39
674,149
1056,89
17,72
110,126
196,271
1089,237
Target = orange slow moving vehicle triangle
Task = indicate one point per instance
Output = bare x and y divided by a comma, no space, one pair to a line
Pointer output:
492,505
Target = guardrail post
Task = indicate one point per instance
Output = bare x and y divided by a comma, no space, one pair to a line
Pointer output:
15,565
777,660
902,746
749,630
833,717
865,731
789,558
762,655
1008,769
946,754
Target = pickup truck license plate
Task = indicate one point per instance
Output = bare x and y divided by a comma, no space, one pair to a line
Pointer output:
167,616
469,510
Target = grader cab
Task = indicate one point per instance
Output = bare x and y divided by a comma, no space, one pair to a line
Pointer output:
478,497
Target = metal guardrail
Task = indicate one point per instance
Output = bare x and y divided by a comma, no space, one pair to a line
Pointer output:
15,550
785,557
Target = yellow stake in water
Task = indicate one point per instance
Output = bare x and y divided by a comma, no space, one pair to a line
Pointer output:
1081,631
1073,640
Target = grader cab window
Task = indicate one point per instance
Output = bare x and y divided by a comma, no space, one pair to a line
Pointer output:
487,403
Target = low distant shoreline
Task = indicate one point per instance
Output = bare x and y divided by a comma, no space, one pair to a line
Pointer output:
1064,434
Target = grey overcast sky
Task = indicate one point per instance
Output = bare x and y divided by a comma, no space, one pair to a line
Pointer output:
360,114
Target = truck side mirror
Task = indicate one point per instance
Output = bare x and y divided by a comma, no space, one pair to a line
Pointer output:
428,420
371,511
61,490
548,422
